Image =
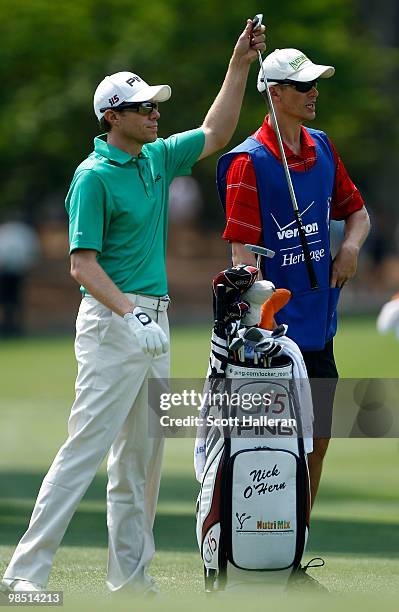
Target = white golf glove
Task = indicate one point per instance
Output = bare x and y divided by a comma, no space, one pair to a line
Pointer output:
388,319
151,338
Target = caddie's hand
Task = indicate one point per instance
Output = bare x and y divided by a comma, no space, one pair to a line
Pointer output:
250,42
151,338
344,265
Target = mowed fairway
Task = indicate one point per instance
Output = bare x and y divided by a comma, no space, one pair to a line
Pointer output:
355,525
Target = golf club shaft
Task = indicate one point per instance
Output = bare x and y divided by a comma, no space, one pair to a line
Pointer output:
220,308
297,214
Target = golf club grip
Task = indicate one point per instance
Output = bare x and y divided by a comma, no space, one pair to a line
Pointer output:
306,252
257,21
220,304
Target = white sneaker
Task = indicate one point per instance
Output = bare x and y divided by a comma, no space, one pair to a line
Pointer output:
19,586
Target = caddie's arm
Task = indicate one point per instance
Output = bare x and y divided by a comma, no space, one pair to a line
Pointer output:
222,118
357,227
240,255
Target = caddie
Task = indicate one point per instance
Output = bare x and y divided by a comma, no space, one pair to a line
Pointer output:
253,188
118,212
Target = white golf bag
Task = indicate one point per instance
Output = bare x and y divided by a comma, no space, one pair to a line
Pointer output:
254,503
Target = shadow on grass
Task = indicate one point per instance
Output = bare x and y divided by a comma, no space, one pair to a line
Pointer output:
26,485
176,532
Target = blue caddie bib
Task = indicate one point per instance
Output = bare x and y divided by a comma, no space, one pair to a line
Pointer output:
310,314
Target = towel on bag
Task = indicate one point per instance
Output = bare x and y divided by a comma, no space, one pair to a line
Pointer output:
217,366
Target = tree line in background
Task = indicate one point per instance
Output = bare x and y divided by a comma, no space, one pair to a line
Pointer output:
54,54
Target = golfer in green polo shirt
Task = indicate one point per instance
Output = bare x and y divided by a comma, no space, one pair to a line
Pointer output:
118,206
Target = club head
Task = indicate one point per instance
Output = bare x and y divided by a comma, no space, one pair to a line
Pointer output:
276,350
281,330
258,250
253,334
236,344
265,346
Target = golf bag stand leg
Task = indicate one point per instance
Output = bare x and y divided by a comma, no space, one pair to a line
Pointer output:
209,579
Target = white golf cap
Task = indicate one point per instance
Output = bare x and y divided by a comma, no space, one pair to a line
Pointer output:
293,65
126,87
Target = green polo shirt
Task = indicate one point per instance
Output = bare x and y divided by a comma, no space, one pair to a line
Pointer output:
118,205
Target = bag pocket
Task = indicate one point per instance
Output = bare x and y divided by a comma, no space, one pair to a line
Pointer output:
208,512
266,520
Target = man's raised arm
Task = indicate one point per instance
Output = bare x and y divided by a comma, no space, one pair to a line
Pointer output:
222,118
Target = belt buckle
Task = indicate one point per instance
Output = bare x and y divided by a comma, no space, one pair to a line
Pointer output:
166,299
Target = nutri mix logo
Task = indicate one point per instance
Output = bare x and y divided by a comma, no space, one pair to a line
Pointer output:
297,62
273,525
241,518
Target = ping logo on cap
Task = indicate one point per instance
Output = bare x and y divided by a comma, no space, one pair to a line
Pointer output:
298,61
130,81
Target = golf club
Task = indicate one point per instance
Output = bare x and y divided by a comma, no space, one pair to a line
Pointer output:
220,309
265,345
301,229
262,350
259,252
238,342
268,350
280,330
253,334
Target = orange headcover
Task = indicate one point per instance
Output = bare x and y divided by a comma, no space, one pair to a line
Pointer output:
273,304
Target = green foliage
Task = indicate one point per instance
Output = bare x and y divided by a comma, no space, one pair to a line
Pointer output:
54,54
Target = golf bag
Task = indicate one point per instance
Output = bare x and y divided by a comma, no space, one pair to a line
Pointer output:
254,501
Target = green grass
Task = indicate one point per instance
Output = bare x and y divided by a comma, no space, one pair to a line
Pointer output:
355,524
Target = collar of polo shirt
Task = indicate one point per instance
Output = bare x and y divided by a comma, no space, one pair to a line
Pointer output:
112,153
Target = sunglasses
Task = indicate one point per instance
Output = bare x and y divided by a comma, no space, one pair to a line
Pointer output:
303,87
142,108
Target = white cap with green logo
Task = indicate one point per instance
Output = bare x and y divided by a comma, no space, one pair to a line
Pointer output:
291,64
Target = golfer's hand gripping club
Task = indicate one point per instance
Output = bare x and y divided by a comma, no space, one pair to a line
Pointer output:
257,22
298,220
256,25
151,338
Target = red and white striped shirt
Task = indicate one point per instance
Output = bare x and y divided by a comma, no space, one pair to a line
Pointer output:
243,218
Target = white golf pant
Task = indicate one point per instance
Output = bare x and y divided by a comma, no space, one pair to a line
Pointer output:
110,413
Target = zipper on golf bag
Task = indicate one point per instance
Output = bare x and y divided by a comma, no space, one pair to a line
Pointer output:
223,542
303,506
